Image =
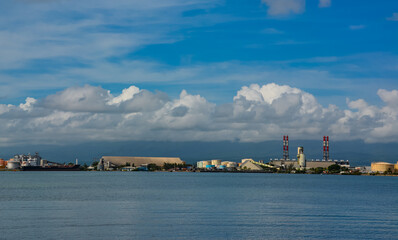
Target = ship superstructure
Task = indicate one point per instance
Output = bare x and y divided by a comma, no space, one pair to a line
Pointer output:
29,160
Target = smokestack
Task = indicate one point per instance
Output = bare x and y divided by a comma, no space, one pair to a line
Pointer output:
286,147
326,148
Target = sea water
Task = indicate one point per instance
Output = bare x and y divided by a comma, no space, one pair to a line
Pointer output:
162,205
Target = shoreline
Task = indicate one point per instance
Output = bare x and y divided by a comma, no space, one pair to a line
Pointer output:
262,172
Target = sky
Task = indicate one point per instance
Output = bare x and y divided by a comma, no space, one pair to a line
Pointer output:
197,70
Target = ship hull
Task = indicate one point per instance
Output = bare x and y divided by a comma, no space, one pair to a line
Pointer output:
54,168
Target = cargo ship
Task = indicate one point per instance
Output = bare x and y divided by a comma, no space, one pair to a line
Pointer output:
36,163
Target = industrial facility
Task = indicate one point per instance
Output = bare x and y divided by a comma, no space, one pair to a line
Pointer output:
246,164
285,162
302,162
30,162
110,162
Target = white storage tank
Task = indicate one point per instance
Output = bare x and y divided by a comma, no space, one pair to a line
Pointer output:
215,162
13,165
205,163
232,164
199,164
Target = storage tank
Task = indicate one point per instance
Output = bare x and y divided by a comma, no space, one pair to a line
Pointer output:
382,167
205,163
232,164
13,165
215,162
199,164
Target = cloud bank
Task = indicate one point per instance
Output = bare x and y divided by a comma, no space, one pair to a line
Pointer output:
256,113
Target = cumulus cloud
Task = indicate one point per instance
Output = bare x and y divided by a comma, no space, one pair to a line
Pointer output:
256,113
97,100
80,99
324,3
284,7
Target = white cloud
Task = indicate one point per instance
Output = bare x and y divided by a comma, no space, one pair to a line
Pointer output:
87,31
257,113
80,99
284,7
394,17
357,27
324,3
28,105
126,94
389,97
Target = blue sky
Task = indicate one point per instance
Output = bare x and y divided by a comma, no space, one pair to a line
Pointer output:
355,42
241,60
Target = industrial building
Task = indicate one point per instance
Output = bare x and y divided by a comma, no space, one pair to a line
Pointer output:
309,164
107,162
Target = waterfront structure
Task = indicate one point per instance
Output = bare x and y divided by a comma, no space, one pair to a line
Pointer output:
383,167
107,162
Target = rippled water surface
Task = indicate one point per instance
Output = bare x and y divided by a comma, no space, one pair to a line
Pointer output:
139,205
